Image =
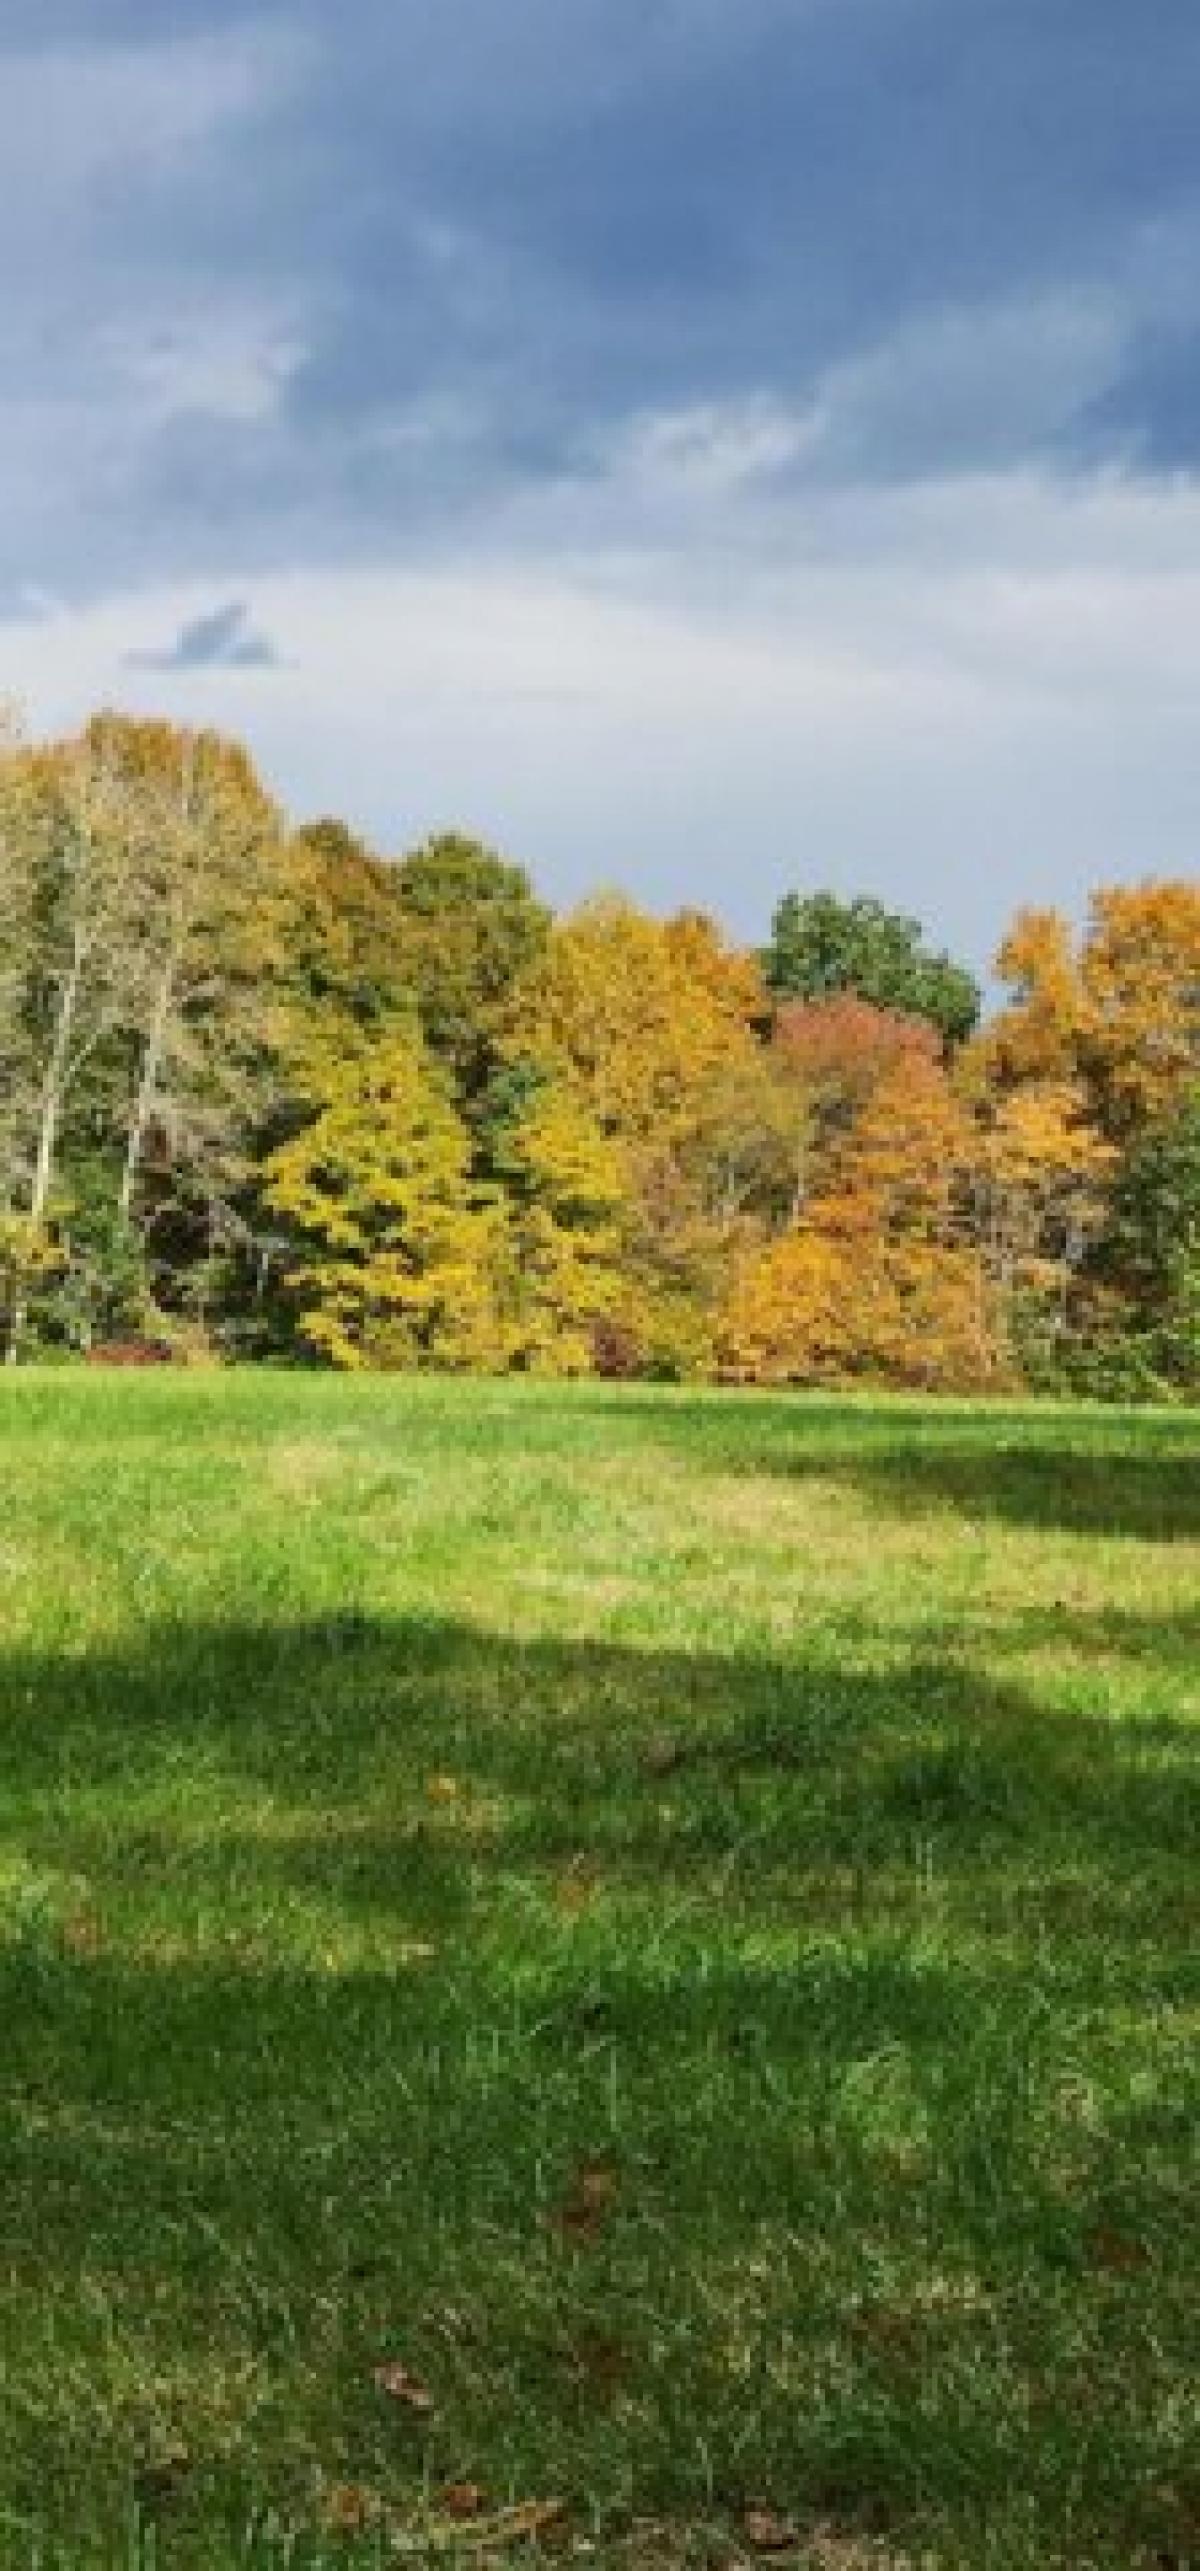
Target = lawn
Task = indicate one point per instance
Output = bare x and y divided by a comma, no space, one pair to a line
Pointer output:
667,1921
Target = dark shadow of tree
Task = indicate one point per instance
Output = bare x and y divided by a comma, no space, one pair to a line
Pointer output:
1078,1472
358,1936
1152,1499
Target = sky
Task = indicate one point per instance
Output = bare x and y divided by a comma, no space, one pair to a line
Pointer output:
711,446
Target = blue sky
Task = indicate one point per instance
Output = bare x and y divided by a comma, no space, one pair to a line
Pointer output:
712,445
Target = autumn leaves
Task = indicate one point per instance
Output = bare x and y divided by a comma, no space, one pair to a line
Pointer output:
263,1095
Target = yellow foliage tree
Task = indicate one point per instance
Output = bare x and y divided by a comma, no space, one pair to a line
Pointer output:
1039,1185
635,1013
399,1251
569,1206
643,1021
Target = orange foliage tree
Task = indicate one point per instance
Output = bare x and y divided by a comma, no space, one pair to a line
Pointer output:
834,1054
1040,1172
879,1278
1121,1015
1140,1040
1036,1035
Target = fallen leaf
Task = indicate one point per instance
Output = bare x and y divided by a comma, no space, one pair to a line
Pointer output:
1114,2251
348,2509
395,2380
523,2524
530,2518
596,2185
593,2193
463,2500
767,2531
442,1789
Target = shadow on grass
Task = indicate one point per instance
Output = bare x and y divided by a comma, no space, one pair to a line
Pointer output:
1079,1472
1152,1498
435,1736
338,1948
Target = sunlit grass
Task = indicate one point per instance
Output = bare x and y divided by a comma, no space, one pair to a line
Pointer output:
417,1798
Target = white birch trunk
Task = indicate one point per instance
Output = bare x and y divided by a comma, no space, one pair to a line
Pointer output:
54,1090
148,1078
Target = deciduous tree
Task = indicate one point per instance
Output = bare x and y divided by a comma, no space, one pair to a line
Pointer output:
1140,1037
820,946
644,1021
397,1251
1120,1012
71,862
1147,1266
205,859
344,956
568,1214
1036,1035
879,1277
471,929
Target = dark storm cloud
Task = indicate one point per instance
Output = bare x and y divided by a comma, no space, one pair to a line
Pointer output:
761,436
315,283
597,208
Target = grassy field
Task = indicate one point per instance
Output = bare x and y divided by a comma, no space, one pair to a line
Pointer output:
671,1918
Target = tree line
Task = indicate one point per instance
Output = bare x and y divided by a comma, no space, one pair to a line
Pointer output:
264,1095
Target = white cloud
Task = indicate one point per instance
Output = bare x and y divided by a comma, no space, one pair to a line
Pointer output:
970,383
962,389
976,698
219,364
703,546
709,449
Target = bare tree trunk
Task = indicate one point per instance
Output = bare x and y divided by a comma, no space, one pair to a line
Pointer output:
165,993
147,1088
54,1089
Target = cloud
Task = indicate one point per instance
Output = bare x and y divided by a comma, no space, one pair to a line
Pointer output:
961,697
252,267
75,117
753,436
223,638
225,366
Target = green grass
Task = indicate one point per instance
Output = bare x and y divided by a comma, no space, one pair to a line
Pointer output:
414,1798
